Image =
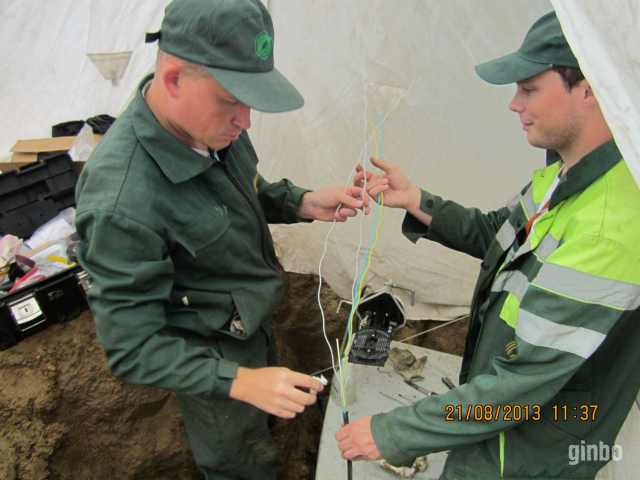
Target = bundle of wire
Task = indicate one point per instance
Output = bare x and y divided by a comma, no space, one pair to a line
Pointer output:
341,372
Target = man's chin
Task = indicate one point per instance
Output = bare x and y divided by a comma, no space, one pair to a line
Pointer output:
221,145
536,142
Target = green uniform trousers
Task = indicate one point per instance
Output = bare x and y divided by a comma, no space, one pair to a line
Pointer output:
231,439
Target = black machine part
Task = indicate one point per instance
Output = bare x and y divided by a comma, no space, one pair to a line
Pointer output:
372,342
370,347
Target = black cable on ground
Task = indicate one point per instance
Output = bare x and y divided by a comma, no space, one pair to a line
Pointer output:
345,419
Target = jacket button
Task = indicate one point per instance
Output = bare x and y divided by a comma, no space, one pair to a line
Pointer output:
484,266
519,224
429,203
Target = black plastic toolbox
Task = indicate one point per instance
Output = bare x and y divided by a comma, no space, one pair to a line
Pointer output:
30,197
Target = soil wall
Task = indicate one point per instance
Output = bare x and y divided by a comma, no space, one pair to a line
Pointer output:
64,416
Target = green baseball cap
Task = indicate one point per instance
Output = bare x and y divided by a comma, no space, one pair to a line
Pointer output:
543,47
233,39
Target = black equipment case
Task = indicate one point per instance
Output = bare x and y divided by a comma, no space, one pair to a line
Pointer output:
30,197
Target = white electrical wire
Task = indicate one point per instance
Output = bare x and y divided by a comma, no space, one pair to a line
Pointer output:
361,157
435,328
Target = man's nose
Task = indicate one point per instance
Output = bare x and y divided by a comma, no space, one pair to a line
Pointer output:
242,118
516,103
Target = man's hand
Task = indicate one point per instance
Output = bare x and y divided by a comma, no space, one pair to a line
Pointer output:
356,442
398,190
273,389
323,204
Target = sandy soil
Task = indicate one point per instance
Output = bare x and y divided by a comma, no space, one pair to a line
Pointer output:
63,416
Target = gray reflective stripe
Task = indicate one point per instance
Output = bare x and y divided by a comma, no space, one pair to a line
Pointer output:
506,235
528,204
546,247
588,288
509,257
514,202
526,248
514,282
517,284
498,283
543,333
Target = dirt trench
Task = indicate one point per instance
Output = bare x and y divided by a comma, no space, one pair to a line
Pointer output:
63,416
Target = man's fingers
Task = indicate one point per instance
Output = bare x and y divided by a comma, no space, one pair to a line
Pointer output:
352,454
342,434
359,193
360,176
349,201
375,183
339,218
375,191
301,398
305,381
381,164
347,212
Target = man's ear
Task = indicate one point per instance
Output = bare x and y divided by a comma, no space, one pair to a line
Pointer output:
587,93
172,78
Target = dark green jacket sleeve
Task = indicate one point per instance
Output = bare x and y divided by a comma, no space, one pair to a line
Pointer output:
133,278
466,230
280,200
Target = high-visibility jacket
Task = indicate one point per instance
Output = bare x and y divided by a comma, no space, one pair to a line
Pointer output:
552,352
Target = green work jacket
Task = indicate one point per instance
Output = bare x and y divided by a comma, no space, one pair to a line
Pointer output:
174,242
552,353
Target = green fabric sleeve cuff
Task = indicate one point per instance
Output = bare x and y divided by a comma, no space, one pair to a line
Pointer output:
386,444
224,375
292,213
414,229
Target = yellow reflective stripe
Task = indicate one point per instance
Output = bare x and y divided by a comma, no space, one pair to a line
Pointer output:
510,309
502,454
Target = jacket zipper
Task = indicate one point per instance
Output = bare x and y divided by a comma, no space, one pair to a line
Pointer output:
225,167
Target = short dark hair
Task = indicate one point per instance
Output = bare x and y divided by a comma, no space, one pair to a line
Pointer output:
570,76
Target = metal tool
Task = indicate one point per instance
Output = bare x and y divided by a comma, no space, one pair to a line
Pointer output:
419,388
395,399
447,381
407,399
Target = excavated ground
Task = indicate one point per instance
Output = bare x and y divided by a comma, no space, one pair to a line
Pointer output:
63,416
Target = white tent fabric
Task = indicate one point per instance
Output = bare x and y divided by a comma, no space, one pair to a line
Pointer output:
452,132
47,77
604,36
352,61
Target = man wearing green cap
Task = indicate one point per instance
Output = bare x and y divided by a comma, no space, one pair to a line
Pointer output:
550,366
174,216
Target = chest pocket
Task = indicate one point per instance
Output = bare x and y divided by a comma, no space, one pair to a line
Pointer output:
205,230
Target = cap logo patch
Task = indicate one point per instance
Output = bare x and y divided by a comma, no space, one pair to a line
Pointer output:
263,45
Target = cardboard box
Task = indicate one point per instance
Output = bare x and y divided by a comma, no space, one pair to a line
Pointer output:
7,166
29,151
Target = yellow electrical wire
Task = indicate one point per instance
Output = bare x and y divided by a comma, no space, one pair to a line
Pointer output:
368,264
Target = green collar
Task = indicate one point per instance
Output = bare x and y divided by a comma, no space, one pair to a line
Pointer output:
176,160
590,167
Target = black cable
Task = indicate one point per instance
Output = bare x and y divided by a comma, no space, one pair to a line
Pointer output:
345,419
